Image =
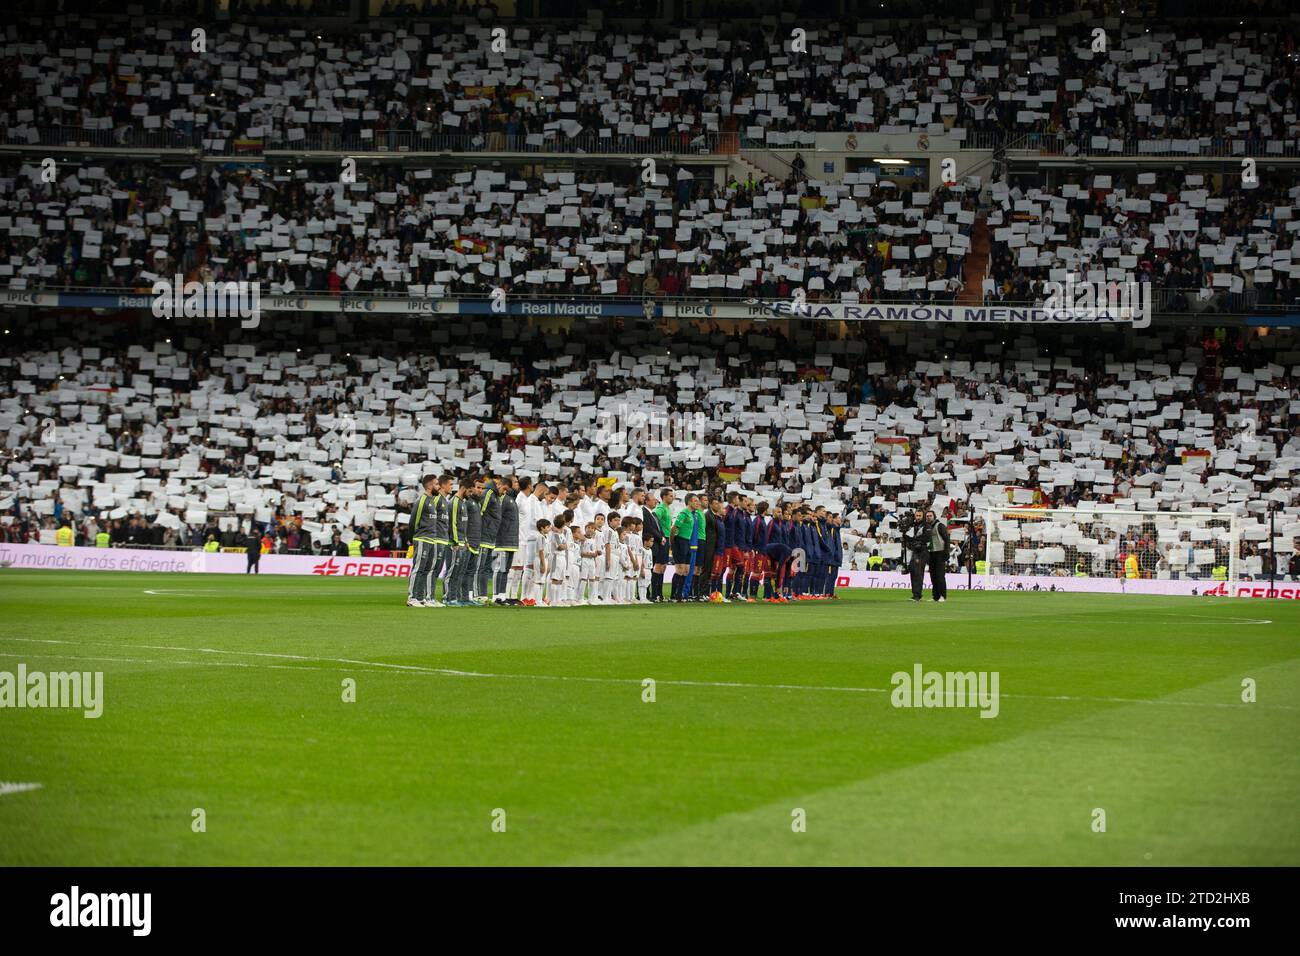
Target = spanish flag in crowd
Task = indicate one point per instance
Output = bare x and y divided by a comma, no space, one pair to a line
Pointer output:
1040,501
730,474
1190,455
897,443
472,245
521,431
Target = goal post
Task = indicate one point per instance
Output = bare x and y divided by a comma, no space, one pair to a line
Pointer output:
1193,545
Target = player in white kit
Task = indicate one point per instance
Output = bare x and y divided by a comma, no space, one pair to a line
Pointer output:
632,559
535,563
559,564
590,550
573,535
600,538
647,565
612,571
519,583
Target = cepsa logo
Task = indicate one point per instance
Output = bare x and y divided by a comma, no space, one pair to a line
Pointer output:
1286,594
364,569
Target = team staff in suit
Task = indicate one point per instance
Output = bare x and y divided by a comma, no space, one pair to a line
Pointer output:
657,533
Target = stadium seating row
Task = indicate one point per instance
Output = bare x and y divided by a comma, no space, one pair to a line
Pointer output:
435,232
1155,88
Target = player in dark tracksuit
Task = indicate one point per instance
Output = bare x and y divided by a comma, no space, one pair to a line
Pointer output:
462,505
748,573
756,536
507,542
424,546
826,555
721,542
788,532
799,542
809,545
812,549
474,542
490,510
760,539
776,546
736,520
701,587
837,553
441,504
816,557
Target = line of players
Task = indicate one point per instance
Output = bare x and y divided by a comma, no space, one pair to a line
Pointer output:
554,546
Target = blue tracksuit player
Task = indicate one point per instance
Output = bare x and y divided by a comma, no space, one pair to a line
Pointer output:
773,538
825,553
837,552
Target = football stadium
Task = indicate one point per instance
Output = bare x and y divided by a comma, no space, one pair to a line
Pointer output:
838,433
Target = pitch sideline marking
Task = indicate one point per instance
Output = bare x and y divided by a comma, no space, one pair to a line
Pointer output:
1223,620
219,592
380,667
6,787
184,663
222,592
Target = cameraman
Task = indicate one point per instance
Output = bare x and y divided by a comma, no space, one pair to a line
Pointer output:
925,543
916,547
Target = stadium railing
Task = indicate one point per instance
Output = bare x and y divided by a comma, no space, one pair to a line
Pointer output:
1165,302
1059,144
391,141
122,137
407,141
1017,145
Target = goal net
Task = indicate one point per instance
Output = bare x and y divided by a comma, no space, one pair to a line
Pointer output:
1065,542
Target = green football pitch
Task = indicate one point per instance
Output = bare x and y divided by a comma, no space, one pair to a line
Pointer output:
524,736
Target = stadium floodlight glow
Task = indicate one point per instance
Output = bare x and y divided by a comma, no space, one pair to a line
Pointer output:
891,162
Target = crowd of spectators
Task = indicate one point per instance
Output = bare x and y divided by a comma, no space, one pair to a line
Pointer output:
1156,87
1207,238
318,430
399,229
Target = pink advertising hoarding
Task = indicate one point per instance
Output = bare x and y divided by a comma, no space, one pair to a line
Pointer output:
194,562
35,556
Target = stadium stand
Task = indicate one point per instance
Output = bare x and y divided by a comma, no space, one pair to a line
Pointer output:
197,436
